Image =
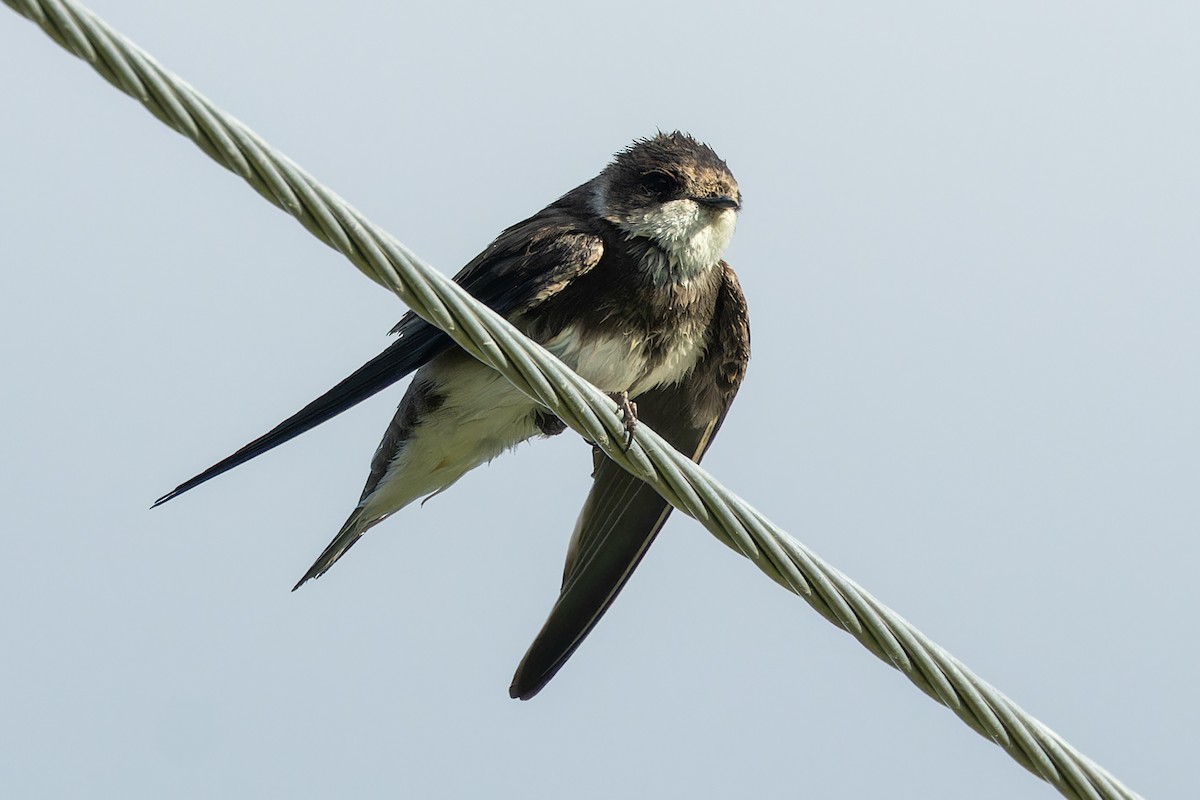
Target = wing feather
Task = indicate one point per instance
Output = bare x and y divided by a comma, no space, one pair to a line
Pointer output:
622,515
516,272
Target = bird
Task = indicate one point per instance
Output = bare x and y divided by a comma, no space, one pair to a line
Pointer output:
622,278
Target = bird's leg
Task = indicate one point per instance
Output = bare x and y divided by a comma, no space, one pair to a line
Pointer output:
628,415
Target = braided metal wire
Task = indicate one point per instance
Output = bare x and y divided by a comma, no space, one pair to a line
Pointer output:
492,340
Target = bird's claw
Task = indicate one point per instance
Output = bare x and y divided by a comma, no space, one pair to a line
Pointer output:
628,415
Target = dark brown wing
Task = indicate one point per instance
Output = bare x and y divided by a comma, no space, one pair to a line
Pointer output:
525,263
622,515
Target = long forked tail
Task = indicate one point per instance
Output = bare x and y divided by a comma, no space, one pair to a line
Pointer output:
350,533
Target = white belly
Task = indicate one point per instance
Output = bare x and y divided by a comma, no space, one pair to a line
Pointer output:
482,416
621,363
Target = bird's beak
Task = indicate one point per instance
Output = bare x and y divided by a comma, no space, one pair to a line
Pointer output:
721,201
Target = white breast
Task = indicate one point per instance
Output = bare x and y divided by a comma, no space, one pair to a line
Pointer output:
620,363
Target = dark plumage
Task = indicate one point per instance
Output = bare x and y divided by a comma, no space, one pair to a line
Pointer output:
622,279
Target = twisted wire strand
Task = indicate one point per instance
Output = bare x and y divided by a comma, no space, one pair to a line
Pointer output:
532,369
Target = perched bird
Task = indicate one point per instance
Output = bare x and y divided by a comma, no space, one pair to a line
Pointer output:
622,279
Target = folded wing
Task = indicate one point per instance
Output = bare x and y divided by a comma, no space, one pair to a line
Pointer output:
622,515
517,271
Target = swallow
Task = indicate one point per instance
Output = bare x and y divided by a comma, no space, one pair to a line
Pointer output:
623,279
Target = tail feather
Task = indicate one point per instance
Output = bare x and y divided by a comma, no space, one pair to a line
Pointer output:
350,533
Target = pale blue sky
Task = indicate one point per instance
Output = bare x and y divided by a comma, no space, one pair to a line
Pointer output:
970,245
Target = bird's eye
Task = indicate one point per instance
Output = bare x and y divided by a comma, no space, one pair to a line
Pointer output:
657,184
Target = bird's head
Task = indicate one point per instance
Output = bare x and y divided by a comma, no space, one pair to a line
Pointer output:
678,193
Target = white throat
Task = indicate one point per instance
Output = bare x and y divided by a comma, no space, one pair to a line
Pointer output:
692,236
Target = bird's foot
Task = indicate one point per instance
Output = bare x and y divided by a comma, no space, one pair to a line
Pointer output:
628,415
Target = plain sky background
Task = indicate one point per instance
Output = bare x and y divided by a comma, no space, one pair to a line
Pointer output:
970,245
